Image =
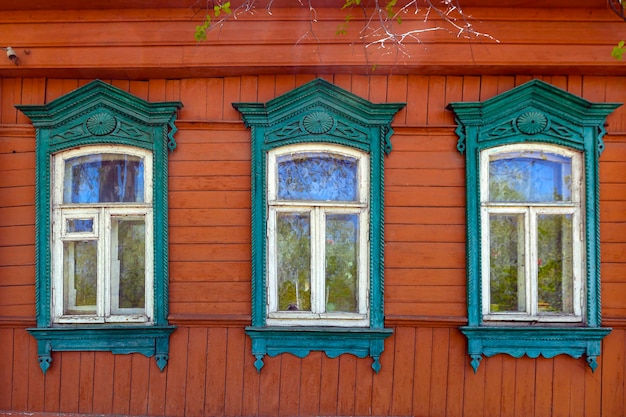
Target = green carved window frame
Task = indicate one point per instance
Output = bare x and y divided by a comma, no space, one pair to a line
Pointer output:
318,113
100,116
535,113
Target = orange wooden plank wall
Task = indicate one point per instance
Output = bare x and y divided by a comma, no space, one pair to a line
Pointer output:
425,369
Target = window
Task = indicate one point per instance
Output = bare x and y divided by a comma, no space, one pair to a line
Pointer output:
533,263
102,251
317,236
317,222
101,223
531,216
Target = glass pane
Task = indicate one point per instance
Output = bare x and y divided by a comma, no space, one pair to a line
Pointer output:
530,176
507,281
317,176
342,243
293,242
80,261
79,225
555,263
104,178
130,265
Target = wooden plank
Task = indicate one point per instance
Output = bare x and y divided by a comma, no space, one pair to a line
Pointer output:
476,399
193,92
121,384
290,376
234,371
86,380
424,215
310,384
250,397
36,379
425,277
423,371
439,376
19,241
377,89
424,233
403,366
593,390
193,233
156,90
17,280
329,385
346,389
70,382
436,105
226,252
140,388
613,363
508,385
224,292
19,384
232,94
32,93
425,255
544,374
425,294
103,384
425,196
139,89
456,373
215,386
397,93
196,372
433,177
417,94
363,395
52,389
249,89
11,95
578,369
156,393
284,84
215,99
524,386
562,386
210,308
269,386
176,372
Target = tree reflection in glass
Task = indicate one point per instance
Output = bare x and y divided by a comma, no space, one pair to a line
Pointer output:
129,262
317,176
530,176
101,178
507,278
341,262
555,263
80,260
293,241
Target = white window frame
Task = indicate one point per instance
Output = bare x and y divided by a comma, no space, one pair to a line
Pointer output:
101,214
318,211
530,211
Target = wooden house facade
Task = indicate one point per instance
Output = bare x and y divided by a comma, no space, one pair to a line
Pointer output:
212,115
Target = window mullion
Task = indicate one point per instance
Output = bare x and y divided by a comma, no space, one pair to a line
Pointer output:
318,256
531,261
104,267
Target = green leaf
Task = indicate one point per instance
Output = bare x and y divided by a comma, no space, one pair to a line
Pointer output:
618,51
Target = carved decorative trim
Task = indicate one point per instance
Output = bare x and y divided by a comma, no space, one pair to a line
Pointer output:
98,113
541,113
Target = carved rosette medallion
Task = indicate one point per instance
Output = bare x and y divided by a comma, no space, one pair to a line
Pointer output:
101,124
318,122
532,122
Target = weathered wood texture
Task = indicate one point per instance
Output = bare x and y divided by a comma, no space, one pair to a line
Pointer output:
425,369
145,44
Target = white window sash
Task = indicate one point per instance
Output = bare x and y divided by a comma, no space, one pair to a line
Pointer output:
101,214
531,211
